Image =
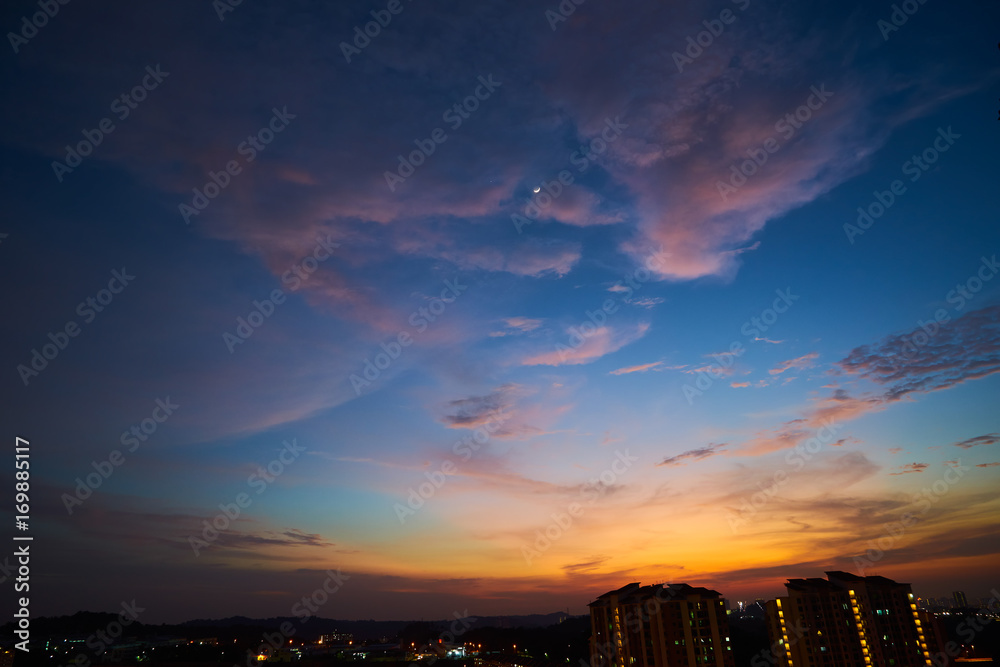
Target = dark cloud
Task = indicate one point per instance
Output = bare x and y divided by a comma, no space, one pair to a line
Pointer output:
476,411
963,349
693,455
911,467
587,566
988,439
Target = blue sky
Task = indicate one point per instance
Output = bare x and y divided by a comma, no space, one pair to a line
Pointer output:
694,437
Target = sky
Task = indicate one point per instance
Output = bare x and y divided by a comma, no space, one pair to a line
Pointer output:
497,306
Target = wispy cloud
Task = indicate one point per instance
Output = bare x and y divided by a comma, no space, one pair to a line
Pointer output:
693,455
647,301
515,326
964,349
988,439
603,341
911,467
642,368
805,361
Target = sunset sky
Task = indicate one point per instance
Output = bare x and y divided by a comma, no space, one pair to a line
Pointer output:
678,371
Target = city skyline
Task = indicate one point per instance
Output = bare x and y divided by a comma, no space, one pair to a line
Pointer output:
497,307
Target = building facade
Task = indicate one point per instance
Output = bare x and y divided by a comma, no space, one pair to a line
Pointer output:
662,625
849,621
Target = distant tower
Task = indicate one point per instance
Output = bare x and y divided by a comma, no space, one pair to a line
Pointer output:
960,601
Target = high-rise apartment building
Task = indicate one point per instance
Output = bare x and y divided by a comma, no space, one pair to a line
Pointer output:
662,625
961,601
849,621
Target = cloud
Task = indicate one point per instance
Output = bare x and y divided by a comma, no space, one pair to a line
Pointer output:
491,410
964,349
586,566
516,326
287,538
641,368
988,465
911,467
693,455
739,385
647,301
829,412
895,450
505,412
714,368
768,340
603,341
366,459
988,439
805,361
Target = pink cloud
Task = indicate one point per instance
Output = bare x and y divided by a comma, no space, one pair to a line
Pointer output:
516,326
827,412
641,368
805,361
603,341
